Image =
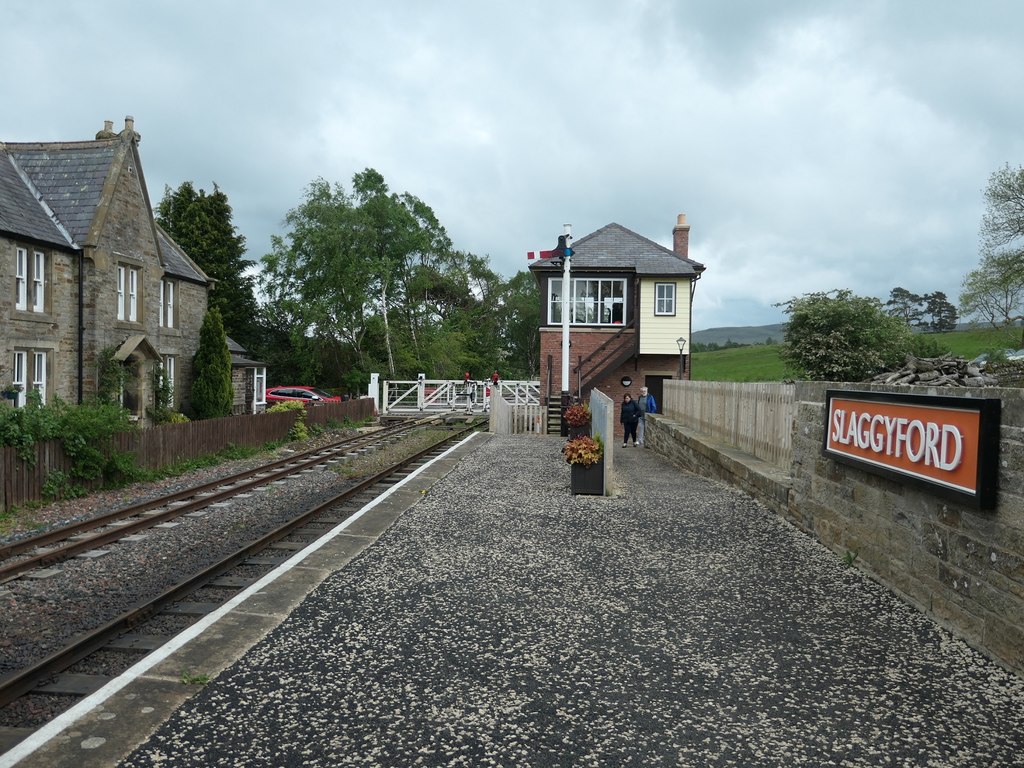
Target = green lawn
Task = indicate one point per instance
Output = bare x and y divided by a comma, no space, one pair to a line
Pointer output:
762,363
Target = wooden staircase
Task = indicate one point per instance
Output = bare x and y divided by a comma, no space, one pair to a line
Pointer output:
606,358
553,424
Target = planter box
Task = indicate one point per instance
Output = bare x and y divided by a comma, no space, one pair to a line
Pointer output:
583,431
588,480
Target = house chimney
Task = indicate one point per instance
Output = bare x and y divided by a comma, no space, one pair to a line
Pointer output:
681,237
108,130
129,130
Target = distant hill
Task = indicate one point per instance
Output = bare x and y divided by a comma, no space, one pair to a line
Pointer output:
759,334
742,334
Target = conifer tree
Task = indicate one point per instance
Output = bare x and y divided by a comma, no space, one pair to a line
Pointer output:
212,394
201,224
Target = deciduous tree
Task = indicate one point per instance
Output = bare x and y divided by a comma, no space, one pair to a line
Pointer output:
994,291
369,281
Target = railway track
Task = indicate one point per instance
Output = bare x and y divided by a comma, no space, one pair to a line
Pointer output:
41,690
53,546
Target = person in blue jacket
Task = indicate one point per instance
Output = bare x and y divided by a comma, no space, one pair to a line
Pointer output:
647,405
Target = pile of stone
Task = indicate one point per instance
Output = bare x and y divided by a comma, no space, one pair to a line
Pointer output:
945,371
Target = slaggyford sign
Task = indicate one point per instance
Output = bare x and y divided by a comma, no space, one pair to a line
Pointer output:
950,445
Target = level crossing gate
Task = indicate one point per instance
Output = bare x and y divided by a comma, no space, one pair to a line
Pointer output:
424,395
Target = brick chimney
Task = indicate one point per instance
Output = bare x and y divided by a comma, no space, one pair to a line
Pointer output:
681,237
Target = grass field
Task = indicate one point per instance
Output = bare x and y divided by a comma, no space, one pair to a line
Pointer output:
762,363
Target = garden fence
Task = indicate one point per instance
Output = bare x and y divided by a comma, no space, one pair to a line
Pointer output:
24,482
757,418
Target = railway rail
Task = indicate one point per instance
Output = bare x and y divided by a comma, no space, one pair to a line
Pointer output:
55,676
52,546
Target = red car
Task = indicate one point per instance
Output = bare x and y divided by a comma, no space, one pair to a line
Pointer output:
307,395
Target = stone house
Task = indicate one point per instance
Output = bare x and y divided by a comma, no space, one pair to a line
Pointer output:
90,275
632,307
248,381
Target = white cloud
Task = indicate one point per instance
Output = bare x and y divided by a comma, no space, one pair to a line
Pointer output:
814,144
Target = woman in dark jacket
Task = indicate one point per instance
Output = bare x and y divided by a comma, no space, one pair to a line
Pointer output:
630,417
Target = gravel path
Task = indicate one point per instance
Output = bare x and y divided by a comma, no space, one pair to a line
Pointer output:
504,622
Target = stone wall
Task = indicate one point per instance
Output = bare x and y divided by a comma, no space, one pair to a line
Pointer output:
961,566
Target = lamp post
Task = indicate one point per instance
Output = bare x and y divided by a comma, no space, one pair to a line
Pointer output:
682,357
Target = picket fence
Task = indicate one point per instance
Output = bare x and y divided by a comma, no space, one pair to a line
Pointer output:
515,418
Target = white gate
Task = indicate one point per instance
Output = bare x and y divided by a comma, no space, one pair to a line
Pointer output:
447,395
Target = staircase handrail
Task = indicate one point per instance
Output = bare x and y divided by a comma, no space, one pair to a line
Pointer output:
585,378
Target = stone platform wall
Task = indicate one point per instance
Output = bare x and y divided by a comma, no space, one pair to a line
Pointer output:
959,565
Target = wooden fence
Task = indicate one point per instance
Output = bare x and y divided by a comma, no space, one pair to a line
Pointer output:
516,419
22,482
756,418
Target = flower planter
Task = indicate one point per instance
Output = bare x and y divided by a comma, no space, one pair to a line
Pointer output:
588,480
582,431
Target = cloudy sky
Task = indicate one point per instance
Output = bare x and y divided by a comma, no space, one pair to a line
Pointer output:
812,144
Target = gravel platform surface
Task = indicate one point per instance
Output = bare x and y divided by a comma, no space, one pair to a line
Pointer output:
504,622
39,616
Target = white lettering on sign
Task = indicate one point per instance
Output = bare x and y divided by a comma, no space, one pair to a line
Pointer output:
933,444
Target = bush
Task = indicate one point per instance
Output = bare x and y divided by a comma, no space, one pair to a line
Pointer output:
577,415
85,432
585,451
299,430
922,345
838,336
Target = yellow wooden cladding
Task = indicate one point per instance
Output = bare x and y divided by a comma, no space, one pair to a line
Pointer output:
658,333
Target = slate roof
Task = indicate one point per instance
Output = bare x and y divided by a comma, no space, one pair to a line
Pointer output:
21,213
176,261
50,192
239,356
614,248
69,176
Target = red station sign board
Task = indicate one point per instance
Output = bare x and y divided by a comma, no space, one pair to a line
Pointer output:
948,444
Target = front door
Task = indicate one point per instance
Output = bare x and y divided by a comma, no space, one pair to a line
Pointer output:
656,386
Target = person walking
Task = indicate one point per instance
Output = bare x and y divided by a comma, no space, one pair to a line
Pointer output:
647,405
629,415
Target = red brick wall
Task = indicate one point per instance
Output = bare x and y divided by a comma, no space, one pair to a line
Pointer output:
585,341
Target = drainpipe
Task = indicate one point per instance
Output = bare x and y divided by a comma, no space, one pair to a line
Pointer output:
81,323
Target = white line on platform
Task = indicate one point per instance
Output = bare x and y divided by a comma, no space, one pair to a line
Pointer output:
67,718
